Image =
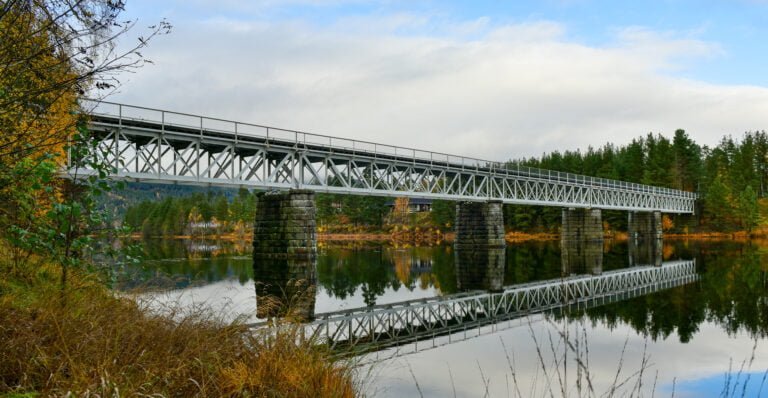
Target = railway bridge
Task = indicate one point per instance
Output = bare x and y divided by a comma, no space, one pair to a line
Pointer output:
152,145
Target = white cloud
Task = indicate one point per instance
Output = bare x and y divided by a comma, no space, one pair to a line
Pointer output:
467,88
663,49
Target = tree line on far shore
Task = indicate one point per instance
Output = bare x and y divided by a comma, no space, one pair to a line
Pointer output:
731,179
220,212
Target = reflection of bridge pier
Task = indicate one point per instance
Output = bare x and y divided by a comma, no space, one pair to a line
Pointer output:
285,288
645,238
645,251
581,241
480,246
284,254
582,257
480,268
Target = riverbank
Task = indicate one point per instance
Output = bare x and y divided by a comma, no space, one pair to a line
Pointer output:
738,235
86,341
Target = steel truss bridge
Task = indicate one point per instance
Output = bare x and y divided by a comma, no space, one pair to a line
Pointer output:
151,145
382,326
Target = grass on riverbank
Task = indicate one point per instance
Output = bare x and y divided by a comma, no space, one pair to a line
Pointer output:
91,343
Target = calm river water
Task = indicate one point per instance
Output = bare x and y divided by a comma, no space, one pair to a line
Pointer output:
703,338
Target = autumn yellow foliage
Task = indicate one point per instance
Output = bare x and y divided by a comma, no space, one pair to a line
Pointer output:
37,90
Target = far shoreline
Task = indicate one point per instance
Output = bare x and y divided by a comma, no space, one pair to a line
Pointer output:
449,237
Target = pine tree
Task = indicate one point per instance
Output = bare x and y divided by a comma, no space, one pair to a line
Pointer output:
221,208
687,166
324,205
443,213
717,203
658,165
748,210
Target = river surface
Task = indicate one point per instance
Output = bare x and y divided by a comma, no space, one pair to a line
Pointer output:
704,337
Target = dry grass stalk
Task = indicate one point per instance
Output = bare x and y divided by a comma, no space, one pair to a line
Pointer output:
100,345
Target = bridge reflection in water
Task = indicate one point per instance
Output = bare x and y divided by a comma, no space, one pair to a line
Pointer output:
381,326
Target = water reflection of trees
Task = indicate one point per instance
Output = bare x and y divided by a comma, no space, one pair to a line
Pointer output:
342,270
532,261
177,264
731,293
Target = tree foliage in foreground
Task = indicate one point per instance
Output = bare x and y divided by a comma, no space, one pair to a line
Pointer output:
51,54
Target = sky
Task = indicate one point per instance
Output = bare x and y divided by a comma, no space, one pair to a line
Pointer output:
496,80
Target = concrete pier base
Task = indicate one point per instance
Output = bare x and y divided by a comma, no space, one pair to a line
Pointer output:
644,225
581,241
480,246
285,254
479,224
582,225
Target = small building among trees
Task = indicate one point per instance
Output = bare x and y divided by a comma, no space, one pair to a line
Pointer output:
406,205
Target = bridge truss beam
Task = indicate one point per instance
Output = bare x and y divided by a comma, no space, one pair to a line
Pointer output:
155,146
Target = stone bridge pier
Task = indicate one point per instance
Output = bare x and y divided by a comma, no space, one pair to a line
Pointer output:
645,238
582,225
285,254
480,246
645,225
581,241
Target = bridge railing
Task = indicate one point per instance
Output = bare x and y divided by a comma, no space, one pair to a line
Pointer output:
297,138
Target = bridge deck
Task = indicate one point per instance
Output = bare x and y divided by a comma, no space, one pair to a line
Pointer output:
160,146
